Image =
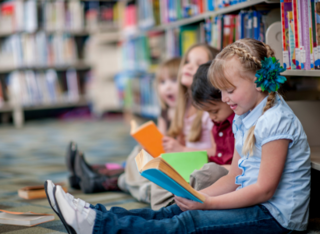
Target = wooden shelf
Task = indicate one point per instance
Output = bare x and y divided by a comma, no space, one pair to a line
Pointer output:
313,73
84,32
315,157
65,104
6,107
80,65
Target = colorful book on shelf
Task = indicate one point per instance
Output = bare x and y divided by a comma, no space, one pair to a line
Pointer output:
305,53
188,37
286,6
149,137
160,172
291,33
315,35
295,11
35,192
28,219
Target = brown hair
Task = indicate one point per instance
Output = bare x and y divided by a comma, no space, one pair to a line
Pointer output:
176,127
250,52
172,66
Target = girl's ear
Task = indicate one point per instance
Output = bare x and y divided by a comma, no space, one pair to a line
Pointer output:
259,89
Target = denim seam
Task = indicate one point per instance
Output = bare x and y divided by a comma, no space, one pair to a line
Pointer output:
234,224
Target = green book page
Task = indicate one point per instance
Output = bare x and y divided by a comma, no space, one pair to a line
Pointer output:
186,162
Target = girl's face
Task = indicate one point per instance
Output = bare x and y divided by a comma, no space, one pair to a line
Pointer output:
168,89
245,95
195,58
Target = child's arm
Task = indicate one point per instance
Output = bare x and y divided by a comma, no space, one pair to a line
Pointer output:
173,145
162,125
272,163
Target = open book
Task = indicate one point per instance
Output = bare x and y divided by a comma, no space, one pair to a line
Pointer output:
160,172
149,137
24,218
35,192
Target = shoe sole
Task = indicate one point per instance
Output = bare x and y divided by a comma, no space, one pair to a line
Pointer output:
69,229
45,189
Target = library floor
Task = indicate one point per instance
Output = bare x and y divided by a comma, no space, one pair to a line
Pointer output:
35,153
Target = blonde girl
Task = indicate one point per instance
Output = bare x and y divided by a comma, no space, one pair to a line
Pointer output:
268,186
190,129
167,88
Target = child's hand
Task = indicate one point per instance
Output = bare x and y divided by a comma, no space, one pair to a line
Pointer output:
186,204
171,145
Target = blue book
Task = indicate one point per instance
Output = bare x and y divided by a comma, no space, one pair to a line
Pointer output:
161,172
242,24
210,5
256,25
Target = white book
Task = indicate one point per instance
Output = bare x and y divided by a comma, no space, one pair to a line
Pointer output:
24,218
30,16
72,83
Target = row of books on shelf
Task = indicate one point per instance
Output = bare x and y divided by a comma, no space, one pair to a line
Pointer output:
39,49
137,93
225,29
300,21
30,15
150,13
31,88
219,32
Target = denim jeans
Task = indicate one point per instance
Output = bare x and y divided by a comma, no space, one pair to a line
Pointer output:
255,219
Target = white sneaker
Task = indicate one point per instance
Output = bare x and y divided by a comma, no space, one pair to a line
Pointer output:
76,214
48,188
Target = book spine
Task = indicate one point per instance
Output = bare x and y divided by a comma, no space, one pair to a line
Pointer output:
292,54
316,52
309,15
256,25
304,35
296,34
286,6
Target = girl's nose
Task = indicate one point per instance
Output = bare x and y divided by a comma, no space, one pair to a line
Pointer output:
224,96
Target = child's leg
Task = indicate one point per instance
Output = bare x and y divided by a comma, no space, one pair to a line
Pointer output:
253,220
199,179
131,181
208,175
145,213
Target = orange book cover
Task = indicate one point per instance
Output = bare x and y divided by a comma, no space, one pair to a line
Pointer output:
149,137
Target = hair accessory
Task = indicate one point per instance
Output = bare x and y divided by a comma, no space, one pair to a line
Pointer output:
268,77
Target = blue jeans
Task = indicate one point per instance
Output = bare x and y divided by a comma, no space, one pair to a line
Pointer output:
255,219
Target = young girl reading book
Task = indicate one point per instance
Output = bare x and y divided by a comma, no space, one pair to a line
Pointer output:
268,186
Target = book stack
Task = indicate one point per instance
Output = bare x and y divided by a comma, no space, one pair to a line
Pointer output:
300,20
40,88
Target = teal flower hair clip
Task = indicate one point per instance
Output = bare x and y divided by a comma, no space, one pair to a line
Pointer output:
268,77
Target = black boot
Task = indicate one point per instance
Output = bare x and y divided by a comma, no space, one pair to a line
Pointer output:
91,181
72,151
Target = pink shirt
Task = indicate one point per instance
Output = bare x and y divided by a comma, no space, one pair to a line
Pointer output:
205,141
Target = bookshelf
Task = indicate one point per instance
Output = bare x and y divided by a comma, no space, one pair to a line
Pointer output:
70,26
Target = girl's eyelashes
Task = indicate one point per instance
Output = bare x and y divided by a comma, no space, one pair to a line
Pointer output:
229,91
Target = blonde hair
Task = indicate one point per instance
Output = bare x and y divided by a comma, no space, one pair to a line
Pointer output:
172,66
250,52
176,127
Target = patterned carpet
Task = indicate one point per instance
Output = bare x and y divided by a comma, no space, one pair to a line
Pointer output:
35,153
